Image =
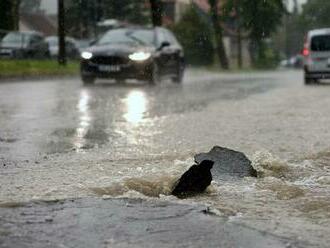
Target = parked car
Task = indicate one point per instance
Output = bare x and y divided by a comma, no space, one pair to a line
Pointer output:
71,47
134,53
295,62
23,45
317,55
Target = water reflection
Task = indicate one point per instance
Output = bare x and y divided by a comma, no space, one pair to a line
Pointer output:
136,107
84,119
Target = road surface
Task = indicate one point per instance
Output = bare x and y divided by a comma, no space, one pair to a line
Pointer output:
113,146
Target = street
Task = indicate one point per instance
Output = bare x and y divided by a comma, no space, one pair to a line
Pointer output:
60,140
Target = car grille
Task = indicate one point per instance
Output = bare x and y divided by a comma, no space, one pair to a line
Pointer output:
109,60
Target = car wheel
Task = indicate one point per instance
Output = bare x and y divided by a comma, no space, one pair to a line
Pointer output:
154,77
309,80
87,80
179,77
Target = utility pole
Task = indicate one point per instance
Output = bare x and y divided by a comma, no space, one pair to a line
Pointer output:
15,14
156,12
239,48
61,33
239,35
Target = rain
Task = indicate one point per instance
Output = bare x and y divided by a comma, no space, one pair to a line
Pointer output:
155,123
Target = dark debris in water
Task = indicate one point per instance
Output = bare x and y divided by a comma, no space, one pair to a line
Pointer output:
7,140
227,162
195,180
218,164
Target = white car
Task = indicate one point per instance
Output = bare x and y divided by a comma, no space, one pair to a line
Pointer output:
317,55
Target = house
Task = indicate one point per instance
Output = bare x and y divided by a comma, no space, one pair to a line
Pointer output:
39,22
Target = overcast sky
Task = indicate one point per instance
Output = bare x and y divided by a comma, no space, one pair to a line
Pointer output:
51,5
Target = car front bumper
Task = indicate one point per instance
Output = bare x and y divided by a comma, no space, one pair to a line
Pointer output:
131,70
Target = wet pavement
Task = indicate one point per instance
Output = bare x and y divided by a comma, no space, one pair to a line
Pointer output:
62,140
124,223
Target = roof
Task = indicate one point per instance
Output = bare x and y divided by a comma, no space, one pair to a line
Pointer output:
39,22
321,31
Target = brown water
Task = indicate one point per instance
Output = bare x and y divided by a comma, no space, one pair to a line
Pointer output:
136,141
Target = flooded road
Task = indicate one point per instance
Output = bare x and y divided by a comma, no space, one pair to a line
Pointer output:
61,140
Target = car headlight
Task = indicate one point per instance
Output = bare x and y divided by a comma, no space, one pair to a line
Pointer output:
86,55
139,56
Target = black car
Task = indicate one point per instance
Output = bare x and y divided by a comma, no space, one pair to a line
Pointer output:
134,53
23,45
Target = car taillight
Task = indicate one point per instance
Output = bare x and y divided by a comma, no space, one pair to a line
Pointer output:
305,52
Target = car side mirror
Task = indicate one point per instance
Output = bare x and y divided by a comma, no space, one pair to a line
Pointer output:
164,44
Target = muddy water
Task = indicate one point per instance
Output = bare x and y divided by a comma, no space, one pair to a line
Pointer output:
134,141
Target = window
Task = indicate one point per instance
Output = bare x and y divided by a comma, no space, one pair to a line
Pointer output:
321,43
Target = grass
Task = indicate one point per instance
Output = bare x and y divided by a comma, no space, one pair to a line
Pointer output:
35,68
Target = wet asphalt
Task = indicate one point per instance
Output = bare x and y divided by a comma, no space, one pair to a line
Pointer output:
54,116
65,128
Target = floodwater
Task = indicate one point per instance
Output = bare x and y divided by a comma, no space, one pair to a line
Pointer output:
60,140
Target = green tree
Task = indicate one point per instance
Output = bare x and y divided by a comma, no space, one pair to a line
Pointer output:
9,14
315,14
214,4
125,10
80,17
260,20
83,15
195,35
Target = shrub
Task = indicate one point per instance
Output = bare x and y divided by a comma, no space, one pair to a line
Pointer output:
195,35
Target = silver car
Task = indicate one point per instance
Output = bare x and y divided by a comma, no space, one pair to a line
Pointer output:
317,55
23,45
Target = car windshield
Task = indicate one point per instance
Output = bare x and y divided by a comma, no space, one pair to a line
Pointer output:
133,36
321,43
15,39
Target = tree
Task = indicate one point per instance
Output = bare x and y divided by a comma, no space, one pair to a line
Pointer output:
259,19
83,15
125,10
9,14
156,12
195,35
139,14
232,15
315,14
218,34
61,32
